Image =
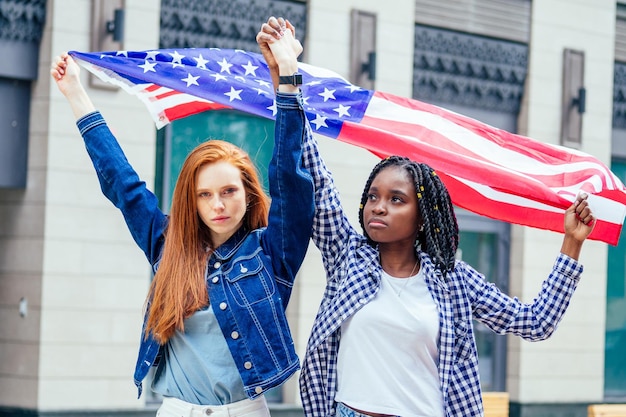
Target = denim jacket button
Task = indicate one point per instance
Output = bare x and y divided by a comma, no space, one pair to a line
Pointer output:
208,411
222,306
247,365
234,335
258,390
215,280
217,265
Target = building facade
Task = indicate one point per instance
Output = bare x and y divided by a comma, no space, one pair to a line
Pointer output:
73,283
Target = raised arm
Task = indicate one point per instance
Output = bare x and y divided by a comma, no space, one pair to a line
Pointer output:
66,74
578,224
537,320
331,228
291,186
118,180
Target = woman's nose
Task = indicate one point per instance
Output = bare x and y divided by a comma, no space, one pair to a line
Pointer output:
379,208
218,204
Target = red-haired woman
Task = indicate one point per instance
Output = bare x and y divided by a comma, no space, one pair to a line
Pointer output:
224,259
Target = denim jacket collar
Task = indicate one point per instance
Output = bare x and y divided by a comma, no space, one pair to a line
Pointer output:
228,248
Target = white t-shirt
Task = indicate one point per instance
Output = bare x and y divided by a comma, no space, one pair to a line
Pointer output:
388,353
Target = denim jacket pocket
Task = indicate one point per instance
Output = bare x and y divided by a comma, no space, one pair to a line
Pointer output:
249,282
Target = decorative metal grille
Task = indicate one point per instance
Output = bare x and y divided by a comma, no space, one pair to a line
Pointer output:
619,96
22,20
469,70
223,24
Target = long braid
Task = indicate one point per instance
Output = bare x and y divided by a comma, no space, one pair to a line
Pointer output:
440,237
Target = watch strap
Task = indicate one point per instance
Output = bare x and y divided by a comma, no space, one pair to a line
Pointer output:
294,79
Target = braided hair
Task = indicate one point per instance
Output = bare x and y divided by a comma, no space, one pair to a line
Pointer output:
440,235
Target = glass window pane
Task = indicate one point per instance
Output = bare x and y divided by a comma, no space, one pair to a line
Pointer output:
481,251
253,134
615,341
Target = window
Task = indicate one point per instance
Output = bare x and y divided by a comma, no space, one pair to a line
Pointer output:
615,339
253,134
14,119
21,28
484,244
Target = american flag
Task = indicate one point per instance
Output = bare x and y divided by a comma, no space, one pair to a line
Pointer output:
487,170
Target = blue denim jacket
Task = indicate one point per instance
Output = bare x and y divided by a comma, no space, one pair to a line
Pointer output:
250,276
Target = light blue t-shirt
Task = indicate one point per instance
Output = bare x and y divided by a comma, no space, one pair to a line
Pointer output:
197,366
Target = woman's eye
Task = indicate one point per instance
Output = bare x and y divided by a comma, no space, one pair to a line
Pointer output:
229,191
371,197
396,199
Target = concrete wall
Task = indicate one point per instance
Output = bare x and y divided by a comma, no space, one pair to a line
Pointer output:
66,249
568,367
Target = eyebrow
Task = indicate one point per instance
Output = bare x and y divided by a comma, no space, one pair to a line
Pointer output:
220,188
393,191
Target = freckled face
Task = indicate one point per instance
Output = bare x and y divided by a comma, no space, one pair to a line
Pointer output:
221,199
391,213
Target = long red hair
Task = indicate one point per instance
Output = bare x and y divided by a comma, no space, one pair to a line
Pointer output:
178,288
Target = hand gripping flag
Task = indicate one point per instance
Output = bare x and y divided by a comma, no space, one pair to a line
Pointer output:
487,170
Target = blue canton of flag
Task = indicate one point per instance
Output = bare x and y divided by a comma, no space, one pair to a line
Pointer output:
232,78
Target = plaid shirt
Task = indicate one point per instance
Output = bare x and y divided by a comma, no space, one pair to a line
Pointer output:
353,279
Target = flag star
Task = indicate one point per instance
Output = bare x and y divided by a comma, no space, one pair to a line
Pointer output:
327,94
250,69
225,66
239,78
201,62
320,121
305,101
148,66
314,82
176,59
273,108
263,83
260,91
218,77
152,55
352,88
191,80
125,53
233,94
342,110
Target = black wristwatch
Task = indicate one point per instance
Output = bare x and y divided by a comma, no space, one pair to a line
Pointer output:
294,79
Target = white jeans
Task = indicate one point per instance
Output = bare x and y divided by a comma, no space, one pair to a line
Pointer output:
173,407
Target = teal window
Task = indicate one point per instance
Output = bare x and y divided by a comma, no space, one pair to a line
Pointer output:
253,134
615,339
484,244
480,250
